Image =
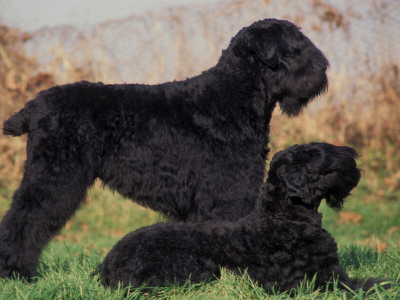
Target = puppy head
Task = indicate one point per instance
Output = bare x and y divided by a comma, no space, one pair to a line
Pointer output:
306,174
293,68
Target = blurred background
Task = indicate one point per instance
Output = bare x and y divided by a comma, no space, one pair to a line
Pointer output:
44,43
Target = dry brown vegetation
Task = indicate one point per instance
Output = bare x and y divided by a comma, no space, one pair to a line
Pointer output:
16,86
368,120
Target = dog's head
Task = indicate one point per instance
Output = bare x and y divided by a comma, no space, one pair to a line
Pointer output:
306,174
294,70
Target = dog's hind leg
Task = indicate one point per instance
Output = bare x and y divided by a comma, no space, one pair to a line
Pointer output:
47,197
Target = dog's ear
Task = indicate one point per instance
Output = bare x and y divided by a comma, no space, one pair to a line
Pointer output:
266,49
265,46
297,187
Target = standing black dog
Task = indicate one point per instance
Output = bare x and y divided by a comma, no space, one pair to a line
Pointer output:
279,243
193,150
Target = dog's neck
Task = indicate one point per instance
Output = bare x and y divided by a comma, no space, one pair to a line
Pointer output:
257,107
275,202
232,64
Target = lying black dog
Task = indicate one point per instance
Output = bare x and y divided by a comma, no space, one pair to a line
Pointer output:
278,244
193,150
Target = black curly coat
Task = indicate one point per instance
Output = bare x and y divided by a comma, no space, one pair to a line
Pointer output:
278,244
193,150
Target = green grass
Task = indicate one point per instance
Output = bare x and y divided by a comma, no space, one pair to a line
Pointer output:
66,265
371,221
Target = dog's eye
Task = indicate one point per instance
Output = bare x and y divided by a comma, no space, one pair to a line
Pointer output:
287,54
290,53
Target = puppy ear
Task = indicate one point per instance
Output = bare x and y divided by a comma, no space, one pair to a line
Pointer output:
265,46
296,186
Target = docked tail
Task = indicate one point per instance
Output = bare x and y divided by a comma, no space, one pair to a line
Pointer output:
18,124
